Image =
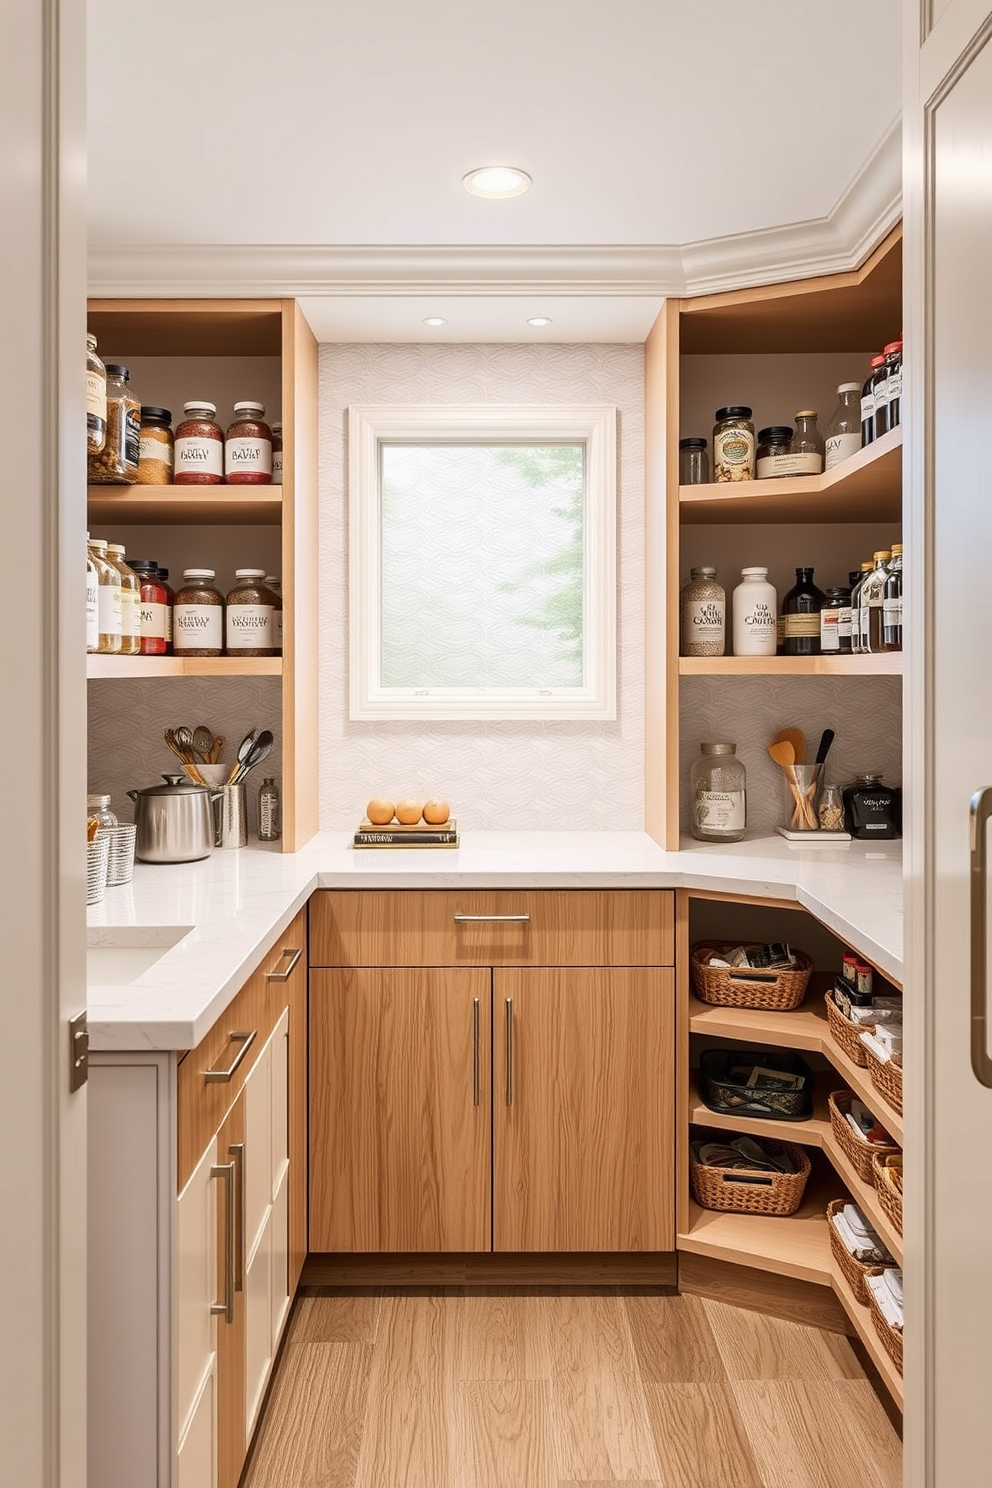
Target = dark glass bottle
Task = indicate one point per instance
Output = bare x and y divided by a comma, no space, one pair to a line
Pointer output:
872,810
868,402
880,388
892,603
801,607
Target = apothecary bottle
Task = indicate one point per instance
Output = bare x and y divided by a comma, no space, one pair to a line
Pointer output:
733,444
92,603
718,794
248,447
859,579
872,602
892,603
96,398
249,615
198,615
868,401
277,454
880,391
893,382
871,809
703,612
694,462
155,447
199,452
755,606
153,607
801,607
844,429
807,444
108,598
130,601
269,823
117,462
835,623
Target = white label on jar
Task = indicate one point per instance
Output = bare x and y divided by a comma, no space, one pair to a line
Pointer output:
721,811
92,612
779,465
254,455
830,630
760,622
867,407
198,627
150,448
882,394
845,622
96,397
893,384
892,611
249,626
841,447
109,606
153,620
130,612
194,452
706,620
797,626
856,627
277,467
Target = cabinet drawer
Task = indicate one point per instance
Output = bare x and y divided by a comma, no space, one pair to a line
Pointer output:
489,927
204,1103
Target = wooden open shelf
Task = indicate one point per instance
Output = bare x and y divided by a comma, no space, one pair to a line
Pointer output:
889,664
864,1327
180,328
809,1133
183,666
864,1195
193,506
865,488
797,1246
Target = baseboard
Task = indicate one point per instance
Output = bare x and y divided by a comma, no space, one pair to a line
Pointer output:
587,1268
762,1291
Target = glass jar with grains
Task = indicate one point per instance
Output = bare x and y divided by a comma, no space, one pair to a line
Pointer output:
248,449
250,614
718,795
774,444
117,463
703,612
198,615
199,447
96,398
155,449
733,444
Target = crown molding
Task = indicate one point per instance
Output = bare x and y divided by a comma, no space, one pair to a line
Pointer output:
841,241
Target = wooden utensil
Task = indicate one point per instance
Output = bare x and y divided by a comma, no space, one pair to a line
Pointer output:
783,753
797,739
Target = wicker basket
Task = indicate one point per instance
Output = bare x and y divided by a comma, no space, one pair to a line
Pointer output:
847,1034
886,1076
743,987
731,1098
856,1149
748,1190
889,1196
891,1337
854,1271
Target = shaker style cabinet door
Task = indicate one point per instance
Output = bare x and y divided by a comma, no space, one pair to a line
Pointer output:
583,1109
400,1122
196,1326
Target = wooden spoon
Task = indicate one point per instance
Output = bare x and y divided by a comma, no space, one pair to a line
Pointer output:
783,753
797,739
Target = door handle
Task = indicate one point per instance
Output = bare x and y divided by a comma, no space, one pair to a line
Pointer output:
476,1093
225,1309
509,1051
294,953
221,1076
517,919
981,810
237,1152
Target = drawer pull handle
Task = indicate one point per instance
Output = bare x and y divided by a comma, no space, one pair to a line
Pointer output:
225,1309
237,1152
476,1093
463,919
283,976
221,1076
509,1051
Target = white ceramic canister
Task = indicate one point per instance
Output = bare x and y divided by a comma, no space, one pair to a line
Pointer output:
755,614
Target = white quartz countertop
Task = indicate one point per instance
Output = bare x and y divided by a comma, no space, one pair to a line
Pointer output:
220,916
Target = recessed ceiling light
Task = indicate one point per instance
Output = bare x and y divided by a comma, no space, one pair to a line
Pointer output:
434,320
539,320
497,181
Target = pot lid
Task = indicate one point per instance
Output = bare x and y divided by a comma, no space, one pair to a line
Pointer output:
175,785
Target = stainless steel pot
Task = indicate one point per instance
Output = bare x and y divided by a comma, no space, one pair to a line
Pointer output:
175,821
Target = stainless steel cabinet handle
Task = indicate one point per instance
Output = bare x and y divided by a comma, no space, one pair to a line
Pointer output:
295,952
221,1076
476,1094
237,1152
225,1309
509,1051
981,810
521,919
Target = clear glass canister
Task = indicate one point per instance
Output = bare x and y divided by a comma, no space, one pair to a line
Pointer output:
96,398
844,429
248,448
807,444
155,449
718,792
98,810
199,447
108,598
250,612
198,615
830,811
694,462
116,463
703,614
733,444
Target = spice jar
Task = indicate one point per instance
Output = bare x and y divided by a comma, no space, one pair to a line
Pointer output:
718,792
774,443
108,598
96,398
694,462
155,448
248,449
130,601
830,811
733,444
277,454
92,603
250,610
199,447
807,445
274,585
198,615
835,623
153,607
703,611
117,463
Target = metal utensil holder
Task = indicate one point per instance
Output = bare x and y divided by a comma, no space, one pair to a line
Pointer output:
231,816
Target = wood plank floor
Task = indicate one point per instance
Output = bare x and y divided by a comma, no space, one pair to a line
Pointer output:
501,1388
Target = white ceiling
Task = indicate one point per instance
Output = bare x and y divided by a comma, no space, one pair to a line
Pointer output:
643,122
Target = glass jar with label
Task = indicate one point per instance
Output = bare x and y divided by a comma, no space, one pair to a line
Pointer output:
880,393
277,454
199,447
892,603
733,444
893,382
198,615
868,402
807,444
801,608
844,429
153,606
718,794
274,585
250,610
694,462
108,598
116,463
703,614
857,582
835,623
170,600
872,603
155,447
92,603
248,448
269,824
755,614
96,398
130,601
774,443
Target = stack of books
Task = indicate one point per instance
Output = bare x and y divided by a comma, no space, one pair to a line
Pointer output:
421,834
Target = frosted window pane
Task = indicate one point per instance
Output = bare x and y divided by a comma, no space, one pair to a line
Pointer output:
482,565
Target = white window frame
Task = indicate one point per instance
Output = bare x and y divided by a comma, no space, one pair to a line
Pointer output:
593,426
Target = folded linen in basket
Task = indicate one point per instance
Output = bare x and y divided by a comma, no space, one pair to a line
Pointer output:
861,1242
881,1053
884,1289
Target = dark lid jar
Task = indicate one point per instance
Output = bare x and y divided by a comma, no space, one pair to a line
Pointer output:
199,452
248,447
250,625
694,461
117,462
198,615
835,623
155,447
773,443
153,604
733,444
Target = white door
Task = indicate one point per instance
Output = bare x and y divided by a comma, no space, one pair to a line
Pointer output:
42,685
948,1350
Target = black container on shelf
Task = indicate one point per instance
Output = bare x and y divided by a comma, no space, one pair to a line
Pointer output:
873,811
724,1086
801,608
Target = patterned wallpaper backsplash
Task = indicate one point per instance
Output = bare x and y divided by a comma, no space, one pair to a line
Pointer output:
513,776
123,758
864,712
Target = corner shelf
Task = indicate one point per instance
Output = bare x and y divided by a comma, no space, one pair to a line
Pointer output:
795,1246
864,1327
196,506
809,1133
183,666
888,664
